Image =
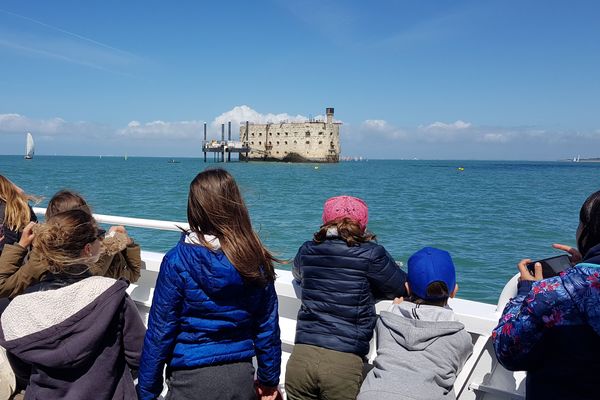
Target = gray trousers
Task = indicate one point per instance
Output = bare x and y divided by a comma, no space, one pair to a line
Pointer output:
233,381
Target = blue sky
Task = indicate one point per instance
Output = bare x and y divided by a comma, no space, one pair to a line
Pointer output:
427,79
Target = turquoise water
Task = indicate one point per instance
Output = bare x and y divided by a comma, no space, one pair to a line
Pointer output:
488,216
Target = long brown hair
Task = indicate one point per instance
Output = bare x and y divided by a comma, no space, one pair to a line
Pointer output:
62,238
346,229
16,211
215,207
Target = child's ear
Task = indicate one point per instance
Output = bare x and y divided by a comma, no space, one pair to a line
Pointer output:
454,291
407,286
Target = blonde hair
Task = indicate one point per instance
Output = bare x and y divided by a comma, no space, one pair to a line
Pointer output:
16,212
62,239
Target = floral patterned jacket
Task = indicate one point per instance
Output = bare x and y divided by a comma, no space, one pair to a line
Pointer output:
553,325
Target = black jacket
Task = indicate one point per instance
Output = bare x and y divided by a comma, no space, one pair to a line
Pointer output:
340,285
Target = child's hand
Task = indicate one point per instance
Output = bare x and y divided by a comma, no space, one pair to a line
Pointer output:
121,229
398,300
27,235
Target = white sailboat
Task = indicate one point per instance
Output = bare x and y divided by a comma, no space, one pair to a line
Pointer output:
30,148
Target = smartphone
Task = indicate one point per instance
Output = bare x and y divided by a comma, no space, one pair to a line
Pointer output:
551,266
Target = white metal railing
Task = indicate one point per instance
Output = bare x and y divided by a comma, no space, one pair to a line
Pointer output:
135,222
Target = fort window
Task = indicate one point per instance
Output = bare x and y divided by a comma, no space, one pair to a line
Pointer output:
251,142
261,143
295,142
331,144
285,152
286,134
330,133
270,133
320,133
320,142
269,143
278,133
307,133
277,152
252,134
278,142
308,142
285,142
260,134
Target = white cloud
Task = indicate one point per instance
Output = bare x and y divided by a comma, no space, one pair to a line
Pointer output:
16,123
240,114
457,125
163,130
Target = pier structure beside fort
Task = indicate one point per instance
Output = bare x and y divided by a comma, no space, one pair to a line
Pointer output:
309,141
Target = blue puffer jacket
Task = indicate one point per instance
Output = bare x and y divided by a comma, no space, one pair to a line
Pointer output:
551,329
340,285
203,314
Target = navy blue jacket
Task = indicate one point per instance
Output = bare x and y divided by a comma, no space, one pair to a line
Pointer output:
340,285
204,314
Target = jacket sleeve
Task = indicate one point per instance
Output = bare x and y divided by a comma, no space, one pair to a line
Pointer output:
133,334
133,258
297,266
267,342
386,278
537,306
163,326
15,276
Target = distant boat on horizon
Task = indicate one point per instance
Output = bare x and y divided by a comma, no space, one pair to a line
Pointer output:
29,147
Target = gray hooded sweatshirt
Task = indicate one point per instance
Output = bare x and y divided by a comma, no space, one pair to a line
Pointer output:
420,350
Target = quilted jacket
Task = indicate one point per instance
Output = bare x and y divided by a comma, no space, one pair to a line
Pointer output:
204,314
340,285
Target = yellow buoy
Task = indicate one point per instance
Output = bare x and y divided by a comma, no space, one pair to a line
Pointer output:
461,169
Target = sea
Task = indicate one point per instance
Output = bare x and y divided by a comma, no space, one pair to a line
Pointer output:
487,214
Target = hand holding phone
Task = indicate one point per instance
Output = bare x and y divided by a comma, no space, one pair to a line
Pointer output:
551,266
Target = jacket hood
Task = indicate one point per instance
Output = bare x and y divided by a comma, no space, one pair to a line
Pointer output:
416,327
209,267
62,327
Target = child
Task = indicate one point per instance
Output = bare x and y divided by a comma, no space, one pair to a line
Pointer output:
214,305
121,257
15,212
342,272
420,345
81,334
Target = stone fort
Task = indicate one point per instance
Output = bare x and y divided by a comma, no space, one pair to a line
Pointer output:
309,141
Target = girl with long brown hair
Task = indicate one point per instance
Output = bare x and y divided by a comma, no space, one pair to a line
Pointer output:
81,334
214,305
15,212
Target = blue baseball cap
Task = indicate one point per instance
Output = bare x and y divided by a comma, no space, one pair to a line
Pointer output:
430,265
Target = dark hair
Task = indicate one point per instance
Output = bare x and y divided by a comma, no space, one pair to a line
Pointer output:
215,207
64,200
62,238
437,290
589,220
347,229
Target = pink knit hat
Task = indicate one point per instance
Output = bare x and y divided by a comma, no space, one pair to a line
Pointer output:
346,207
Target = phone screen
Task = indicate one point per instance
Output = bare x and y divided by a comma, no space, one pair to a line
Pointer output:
551,266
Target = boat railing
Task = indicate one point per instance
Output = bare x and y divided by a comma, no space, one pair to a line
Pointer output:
482,377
